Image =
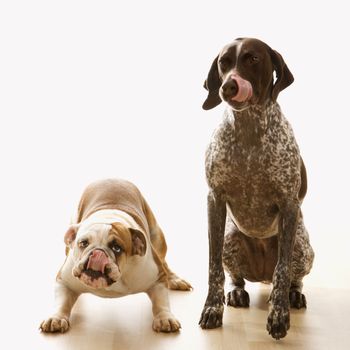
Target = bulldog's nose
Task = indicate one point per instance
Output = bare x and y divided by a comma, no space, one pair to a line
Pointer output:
97,260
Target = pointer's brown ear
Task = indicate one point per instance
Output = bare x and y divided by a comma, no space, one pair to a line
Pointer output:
212,84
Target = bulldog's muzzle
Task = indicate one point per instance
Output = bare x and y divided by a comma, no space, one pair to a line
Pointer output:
98,270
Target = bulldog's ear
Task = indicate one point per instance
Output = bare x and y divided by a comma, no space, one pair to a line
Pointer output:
283,74
139,243
212,84
70,235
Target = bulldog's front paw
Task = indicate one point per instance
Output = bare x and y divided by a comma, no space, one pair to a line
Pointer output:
212,316
177,283
278,322
55,324
166,322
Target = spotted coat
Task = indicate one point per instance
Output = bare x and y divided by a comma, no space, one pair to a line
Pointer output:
257,182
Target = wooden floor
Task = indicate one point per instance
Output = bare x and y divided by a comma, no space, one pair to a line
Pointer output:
125,323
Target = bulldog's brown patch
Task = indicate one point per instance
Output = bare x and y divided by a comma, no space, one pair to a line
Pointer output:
131,241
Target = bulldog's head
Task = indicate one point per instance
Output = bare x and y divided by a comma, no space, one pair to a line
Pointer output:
100,251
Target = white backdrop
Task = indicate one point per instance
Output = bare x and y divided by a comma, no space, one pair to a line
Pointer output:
94,89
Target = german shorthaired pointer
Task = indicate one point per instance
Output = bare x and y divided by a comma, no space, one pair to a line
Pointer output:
257,183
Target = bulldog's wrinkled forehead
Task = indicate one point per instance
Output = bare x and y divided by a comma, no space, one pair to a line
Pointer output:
98,230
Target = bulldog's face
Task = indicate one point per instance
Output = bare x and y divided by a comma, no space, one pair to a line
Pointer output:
101,251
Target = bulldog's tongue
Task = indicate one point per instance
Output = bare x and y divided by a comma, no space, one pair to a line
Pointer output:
97,261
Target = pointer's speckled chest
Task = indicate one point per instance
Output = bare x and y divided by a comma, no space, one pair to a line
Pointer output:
253,160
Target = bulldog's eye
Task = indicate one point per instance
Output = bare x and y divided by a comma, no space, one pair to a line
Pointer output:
116,248
83,243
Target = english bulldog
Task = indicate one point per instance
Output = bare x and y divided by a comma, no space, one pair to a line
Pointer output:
115,248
